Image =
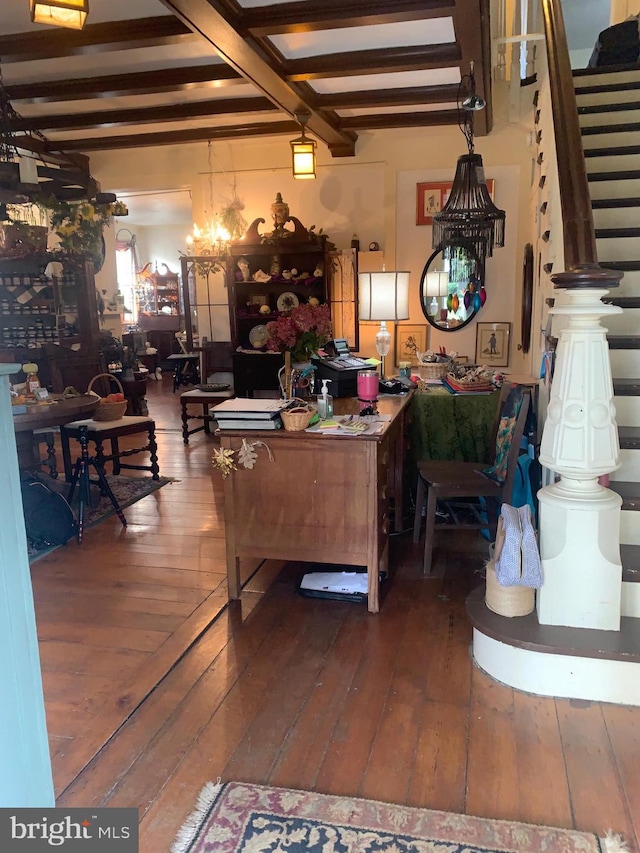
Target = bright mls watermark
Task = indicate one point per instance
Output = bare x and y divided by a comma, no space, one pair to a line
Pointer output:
69,830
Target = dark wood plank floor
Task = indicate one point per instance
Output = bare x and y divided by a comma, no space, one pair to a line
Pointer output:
153,685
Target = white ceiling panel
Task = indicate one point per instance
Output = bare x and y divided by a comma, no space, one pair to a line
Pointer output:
372,82
407,33
414,108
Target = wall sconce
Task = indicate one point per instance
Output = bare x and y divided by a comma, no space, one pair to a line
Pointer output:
383,296
60,13
303,151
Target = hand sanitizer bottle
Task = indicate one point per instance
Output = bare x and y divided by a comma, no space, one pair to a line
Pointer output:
325,402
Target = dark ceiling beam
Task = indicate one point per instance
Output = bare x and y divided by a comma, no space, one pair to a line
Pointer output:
372,62
309,15
143,115
120,85
205,18
179,137
243,131
435,118
94,38
389,97
471,23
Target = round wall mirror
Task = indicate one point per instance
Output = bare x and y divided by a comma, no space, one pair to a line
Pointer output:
452,288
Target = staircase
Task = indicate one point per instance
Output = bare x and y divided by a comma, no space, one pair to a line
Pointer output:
609,110
575,662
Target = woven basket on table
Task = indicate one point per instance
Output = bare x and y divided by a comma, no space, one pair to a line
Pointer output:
298,418
433,369
106,410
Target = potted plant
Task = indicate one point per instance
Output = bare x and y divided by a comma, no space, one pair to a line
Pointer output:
79,226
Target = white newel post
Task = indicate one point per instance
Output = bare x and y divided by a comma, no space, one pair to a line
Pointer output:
580,519
25,766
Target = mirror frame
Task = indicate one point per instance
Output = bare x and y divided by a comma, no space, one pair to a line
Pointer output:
424,299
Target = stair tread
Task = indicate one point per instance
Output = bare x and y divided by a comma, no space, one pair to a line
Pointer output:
630,557
626,266
623,301
592,109
597,129
620,151
602,88
629,492
610,233
624,342
626,387
629,433
603,70
622,175
602,203
527,633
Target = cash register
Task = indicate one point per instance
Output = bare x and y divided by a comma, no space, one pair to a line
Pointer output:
340,367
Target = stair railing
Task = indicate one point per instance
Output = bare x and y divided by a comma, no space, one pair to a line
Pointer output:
577,218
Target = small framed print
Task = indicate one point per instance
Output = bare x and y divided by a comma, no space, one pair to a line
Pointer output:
492,344
259,299
41,394
410,340
432,197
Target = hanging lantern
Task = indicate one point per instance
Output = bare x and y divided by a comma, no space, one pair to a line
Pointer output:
467,299
303,152
450,302
477,302
483,295
455,302
60,13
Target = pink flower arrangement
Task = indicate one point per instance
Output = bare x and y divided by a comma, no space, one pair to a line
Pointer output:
303,330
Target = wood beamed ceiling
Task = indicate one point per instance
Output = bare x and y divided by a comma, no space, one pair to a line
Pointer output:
213,69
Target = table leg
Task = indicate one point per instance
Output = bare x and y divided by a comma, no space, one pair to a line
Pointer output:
185,423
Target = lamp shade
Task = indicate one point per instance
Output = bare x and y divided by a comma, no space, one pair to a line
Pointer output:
436,283
383,295
60,13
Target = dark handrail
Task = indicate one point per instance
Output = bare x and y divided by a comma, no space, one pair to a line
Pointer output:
577,218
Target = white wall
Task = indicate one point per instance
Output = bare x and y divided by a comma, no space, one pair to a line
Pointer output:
371,194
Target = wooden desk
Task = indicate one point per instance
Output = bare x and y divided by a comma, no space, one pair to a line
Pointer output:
42,417
324,498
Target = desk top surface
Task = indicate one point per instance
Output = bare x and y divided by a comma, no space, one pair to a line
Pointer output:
41,416
388,404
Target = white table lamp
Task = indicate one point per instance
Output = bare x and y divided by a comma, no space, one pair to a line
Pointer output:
436,285
383,296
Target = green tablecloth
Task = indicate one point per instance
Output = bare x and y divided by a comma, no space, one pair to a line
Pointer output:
446,426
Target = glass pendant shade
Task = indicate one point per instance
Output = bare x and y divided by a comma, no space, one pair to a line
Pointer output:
60,13
303,154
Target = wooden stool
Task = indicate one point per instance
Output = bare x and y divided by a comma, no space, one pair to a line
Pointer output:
205,399
99,431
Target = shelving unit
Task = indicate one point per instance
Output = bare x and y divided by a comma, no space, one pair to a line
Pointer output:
276,272
37,312
159,294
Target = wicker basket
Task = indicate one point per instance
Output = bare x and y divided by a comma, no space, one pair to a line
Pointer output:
106,410
433,369
507,600
297,418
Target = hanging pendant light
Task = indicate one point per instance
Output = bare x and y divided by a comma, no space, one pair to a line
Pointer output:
60,13
303,151
469,218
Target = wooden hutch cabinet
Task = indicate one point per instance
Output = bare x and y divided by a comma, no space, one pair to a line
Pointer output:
158,293
268,274
38,312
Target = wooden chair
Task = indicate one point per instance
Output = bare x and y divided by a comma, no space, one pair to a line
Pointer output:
457,481
101,431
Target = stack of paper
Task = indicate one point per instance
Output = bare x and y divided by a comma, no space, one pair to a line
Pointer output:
245,413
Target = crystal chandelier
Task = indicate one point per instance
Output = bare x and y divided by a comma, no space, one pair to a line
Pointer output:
212,240
469,218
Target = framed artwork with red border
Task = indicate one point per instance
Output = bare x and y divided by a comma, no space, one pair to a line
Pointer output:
432,197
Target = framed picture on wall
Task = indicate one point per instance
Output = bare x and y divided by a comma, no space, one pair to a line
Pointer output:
432,197
410,340
492,344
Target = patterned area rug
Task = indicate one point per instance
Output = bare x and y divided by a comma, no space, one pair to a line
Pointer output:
240,818
128,490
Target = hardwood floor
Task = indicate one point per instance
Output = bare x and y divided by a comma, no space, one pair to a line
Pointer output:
153,685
